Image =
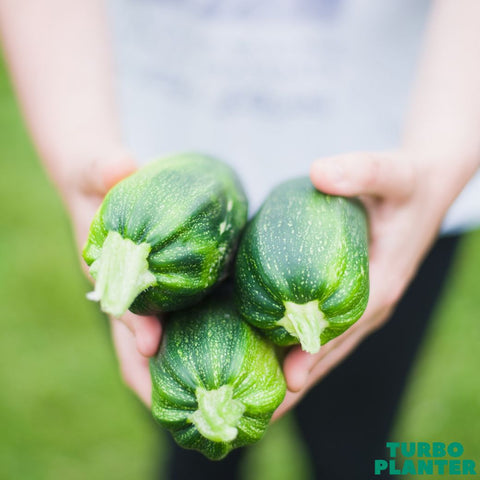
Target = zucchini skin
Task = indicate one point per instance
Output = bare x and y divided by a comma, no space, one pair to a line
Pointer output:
190,209
303,246
210,346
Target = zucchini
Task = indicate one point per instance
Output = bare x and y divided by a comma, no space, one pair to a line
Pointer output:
216,381
301,271
164,236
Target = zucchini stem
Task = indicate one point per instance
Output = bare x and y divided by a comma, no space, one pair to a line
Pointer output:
218,413
120,273
305,322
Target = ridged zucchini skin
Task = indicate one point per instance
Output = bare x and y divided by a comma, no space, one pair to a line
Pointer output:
210,347
303,246
189,210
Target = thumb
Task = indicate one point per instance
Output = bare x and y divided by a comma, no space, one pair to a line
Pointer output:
146,329
387,175
101,174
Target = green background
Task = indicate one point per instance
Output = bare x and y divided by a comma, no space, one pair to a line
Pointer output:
64,412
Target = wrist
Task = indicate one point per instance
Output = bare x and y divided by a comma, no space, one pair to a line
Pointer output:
443,175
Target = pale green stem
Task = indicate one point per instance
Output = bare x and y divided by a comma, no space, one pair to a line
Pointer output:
120,273
305,322
218,413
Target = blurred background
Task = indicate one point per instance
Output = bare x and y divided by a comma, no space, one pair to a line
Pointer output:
64,412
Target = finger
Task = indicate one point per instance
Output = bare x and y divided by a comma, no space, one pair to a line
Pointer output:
296,367
114,172
333,353
335,356
101,174
147,332
134,367
384,175
298,364
290,400
337,350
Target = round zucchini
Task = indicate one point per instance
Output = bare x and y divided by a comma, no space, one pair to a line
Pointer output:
163,236
216,381
301,272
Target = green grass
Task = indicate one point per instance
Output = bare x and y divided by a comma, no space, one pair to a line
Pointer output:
64,412
443,399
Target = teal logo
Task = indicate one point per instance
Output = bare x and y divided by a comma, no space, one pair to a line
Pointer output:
436,458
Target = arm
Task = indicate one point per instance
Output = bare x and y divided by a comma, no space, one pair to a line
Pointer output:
60,63
407,192
59,58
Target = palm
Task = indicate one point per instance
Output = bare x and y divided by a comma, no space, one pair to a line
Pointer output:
403,225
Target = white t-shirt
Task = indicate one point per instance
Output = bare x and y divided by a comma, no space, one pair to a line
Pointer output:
270,85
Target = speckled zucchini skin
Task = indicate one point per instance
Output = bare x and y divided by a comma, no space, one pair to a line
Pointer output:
209,346
191,209
302,246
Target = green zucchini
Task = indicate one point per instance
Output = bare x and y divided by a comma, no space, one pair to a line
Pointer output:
164,236
301,272
216,381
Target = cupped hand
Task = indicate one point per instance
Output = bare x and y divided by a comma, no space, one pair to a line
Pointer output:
135,337
406,198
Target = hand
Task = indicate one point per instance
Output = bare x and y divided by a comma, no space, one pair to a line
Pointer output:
406,198
135,337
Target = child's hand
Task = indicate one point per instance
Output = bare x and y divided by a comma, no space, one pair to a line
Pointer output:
406,200
133,359
135,337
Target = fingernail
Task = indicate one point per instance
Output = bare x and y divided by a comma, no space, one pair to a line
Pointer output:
303,374
297,383
303,378
308,361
